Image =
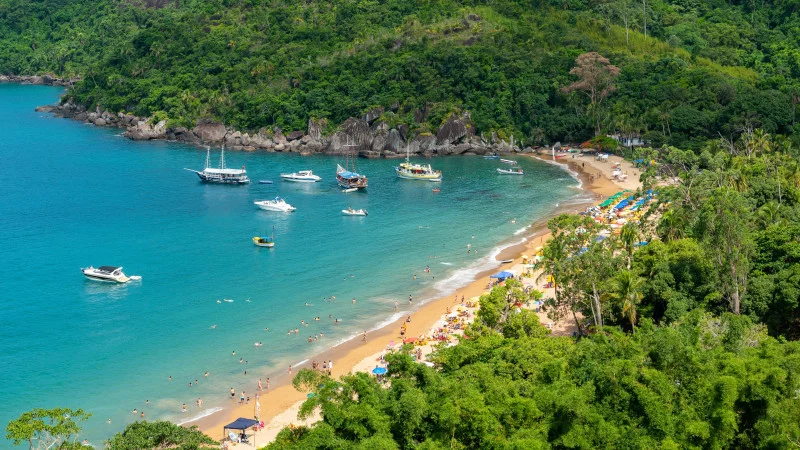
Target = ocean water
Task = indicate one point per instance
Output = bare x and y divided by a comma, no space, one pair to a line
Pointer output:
75,195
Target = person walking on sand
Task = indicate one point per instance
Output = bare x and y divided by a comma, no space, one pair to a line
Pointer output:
260,388
241,398
364,337
290,369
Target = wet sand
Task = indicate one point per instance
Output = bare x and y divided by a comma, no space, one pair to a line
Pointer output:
282,397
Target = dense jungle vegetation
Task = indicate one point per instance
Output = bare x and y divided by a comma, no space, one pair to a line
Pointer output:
690,70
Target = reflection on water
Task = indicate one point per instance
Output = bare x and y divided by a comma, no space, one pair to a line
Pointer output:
101,291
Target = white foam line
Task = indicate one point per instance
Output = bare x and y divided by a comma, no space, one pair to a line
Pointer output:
205,413
522,230
565,168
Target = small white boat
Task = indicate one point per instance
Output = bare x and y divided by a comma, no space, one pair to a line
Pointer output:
276,204
354,212
510,171
303,176
508,161
349,190
108,273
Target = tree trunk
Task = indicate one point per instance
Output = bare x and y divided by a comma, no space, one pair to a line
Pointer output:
735,293
577,323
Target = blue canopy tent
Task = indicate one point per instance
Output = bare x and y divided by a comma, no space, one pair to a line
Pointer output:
241,424
502,275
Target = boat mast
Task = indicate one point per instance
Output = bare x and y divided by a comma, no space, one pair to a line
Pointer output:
407,162
222,158
208,155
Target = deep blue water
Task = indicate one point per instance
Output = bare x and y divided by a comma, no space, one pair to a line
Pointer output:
75,195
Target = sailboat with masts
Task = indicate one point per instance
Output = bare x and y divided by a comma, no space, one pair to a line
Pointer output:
346,176
221,174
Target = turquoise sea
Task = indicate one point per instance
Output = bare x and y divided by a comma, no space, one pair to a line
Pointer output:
75,195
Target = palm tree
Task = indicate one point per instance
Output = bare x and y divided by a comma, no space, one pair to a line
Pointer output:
769,214
625,289
628,237
672,226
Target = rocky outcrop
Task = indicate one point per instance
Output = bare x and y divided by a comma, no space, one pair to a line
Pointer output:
366,136
454,130
210,131
144,131
46,79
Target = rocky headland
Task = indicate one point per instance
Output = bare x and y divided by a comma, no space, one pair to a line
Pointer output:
367,135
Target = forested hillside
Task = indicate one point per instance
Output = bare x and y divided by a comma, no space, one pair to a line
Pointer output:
690,70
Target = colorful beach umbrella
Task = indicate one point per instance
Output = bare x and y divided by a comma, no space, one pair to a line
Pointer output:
379,370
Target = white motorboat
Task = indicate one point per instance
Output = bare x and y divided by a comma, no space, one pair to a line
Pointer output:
303,176
354,212
108,273
276,204
508,161
510,171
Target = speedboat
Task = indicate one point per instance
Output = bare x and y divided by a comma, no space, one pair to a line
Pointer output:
263,241
221,174
276,204
508,161
108,273
510,171
303,176
354,212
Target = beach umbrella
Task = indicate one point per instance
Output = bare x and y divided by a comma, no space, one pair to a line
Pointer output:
409,340
379,370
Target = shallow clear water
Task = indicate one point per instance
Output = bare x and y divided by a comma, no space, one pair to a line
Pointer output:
75,195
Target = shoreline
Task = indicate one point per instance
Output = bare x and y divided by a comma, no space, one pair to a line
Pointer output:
283,398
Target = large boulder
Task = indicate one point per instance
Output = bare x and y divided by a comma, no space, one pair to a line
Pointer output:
278,137
353,136
182,134
394,143
261,140
315,128
210,131
233,139
294,135
100,122
454,130
371,115
36,79
144,131
426,143
460,149
379,141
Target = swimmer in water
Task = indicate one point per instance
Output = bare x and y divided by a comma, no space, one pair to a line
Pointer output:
213,327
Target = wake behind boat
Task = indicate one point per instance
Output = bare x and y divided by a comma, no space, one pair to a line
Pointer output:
303,176
108,273
221,175
510,171
276,204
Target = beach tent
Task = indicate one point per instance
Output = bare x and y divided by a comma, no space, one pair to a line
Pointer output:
502,275
241,424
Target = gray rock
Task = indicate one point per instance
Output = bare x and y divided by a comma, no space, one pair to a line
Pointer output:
81,116
260,140
394,143
354,133
45,108
460,149
294,135
426,143
233,139
403,130
454,130
100,122
36,79
315,128
373,114
279,147
210,131
314,146
278,136
379,141
379,126
145,131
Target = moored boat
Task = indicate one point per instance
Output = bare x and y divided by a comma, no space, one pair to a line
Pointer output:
414,171
347,176
108,273
354,212
303,176
221,174
508,161
277,204
490,156
264,241
510,171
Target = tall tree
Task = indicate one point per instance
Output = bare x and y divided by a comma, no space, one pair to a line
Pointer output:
596,77
628,237
625,289
726,235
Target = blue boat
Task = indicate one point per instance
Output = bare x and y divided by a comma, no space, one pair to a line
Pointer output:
491,156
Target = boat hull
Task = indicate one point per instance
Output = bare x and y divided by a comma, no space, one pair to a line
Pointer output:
275,208
415,176
222,180
358,212
300,179
510,172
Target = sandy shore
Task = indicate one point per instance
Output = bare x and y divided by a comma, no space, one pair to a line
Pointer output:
279,405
